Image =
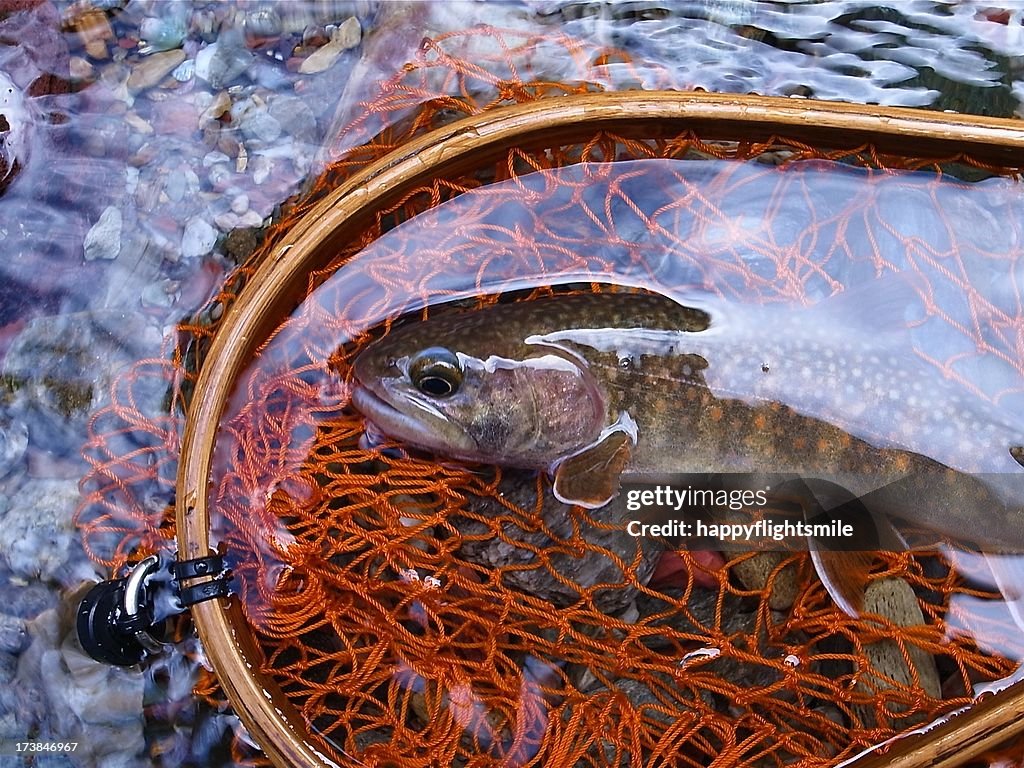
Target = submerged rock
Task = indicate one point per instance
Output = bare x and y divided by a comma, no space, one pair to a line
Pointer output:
198,239
153,69
36,533
13,443
222,62
582,549
103,240
65,695
59,368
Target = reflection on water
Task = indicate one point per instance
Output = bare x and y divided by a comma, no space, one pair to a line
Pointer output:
144,145
444,587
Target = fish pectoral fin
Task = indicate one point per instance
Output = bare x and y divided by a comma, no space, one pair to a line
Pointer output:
845,576
590,478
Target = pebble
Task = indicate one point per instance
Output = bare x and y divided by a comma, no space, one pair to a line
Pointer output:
226,221
214,158
345,37
13,635
163,33
13,443
220,104
240,243
103,240
175,185
222,62
60,367
73,694
93,30
262,167
184,71
263,22
80,69
198,239
250,220
27,599
296,118
153,69
256,122
36,534
240,203
158,294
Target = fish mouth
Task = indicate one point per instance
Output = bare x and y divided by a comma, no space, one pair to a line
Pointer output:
399,425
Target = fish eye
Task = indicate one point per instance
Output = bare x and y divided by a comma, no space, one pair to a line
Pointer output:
436,372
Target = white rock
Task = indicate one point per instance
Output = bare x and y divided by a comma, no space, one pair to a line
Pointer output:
345,37
250,220
198,240
103,240
184,71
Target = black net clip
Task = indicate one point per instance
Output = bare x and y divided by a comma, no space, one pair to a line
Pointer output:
121,621
211,568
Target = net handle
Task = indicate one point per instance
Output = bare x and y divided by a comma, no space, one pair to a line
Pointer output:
279,283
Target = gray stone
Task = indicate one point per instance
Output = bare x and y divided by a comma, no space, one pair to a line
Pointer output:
69,696
223,61
240,204
8,667
13,636
263,22
103,240
198,239
61,367
165,32
26,600
894,599
257,123
296,118
184,71
13,443
36,533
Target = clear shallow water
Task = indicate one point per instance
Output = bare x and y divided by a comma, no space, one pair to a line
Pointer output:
131,186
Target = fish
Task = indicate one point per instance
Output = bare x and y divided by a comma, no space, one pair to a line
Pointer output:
595,389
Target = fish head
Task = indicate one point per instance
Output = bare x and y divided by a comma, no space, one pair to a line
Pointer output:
470,389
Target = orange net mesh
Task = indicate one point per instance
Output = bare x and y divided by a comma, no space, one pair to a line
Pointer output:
417,613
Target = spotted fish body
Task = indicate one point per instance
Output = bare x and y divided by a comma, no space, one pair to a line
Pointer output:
637,383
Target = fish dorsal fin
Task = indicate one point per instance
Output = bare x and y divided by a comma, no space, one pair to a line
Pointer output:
590,478
845,576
